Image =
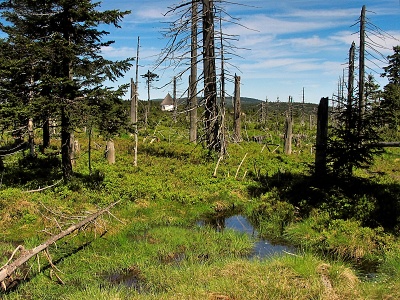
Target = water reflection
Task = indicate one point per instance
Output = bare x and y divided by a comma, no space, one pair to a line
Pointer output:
262,247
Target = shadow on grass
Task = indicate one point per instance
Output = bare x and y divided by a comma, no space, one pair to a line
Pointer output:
38,172
32,172
374,204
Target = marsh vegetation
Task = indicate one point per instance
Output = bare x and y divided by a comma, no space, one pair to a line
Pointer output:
156,244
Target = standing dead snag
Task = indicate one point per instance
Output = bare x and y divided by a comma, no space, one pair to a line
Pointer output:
237,111
7,270
322,137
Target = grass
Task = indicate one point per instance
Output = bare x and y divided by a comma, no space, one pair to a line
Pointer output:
155,239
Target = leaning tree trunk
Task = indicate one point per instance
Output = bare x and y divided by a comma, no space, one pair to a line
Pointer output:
210,78
7,270
322,139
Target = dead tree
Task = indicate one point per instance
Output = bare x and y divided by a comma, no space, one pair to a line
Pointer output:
31,138
361,66
110,152
350,82
10,267
135,98
237,111
189,15
288,136
223,130
175,102
133,114
193,74
322,139
210,78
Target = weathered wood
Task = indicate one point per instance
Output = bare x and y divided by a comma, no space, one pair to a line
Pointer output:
133,113
193,73
288,135
386,144
110,152
237,111
322,138
31,137
9,269
240,165
211,121
361,66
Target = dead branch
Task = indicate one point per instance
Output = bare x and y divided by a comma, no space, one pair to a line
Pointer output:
44,188
386,144
216,167
237,171
8,269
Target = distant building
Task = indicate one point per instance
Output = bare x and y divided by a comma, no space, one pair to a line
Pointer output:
167,104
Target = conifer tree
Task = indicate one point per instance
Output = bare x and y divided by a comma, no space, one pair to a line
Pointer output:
64,42
391,94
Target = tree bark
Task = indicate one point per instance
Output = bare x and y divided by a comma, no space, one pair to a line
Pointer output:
193,76
322,139
72,149
288,135
133,114
110,152
31,137
237,111
46,133
210,80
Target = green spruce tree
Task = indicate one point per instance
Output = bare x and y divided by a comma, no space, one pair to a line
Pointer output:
391,93
68,69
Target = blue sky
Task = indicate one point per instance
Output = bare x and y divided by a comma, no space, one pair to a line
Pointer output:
290,44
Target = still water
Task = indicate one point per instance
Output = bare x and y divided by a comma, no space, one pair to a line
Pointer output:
262,247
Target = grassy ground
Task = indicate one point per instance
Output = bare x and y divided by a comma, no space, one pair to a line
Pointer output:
152,247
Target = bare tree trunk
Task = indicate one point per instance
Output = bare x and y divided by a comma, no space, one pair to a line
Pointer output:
136,99
222,133
174,101
193,76
322,139
31,138
110,152
133,114
72,149
361,79
350,84
46,133
210,80
65,145
288,135
237,111
90,150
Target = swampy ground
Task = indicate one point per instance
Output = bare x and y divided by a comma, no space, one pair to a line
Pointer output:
154,244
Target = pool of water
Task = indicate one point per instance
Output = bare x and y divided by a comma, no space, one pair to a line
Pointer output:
262,247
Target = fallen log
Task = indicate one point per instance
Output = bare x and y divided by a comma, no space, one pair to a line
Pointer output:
8,269
387,144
